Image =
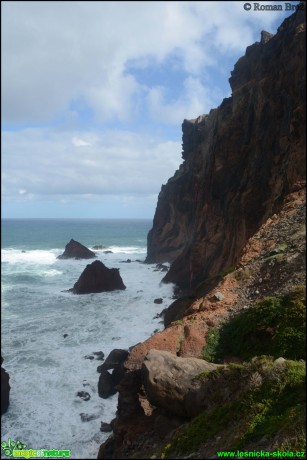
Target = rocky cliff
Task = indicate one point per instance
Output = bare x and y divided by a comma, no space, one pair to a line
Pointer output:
228,370
240,161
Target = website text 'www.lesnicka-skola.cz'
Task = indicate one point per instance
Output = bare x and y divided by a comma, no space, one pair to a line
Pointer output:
261,454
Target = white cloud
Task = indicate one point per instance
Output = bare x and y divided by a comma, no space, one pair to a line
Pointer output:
79,142
195,100
101,64
55,52
115,163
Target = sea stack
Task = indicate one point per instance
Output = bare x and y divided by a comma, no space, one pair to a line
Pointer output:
96,277
75,250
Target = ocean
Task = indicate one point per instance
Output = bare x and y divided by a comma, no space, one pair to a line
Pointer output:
47,370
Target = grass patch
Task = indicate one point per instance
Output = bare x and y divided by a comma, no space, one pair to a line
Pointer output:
227,271
209,351
275,326
273,410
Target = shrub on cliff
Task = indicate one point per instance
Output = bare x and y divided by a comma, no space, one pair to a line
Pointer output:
275,326
270,411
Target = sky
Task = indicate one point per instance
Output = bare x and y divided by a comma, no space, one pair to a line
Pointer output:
93,95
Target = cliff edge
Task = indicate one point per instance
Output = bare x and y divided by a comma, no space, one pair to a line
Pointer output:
240,161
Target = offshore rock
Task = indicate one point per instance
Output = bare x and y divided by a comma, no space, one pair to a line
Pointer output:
5,389
106,386
114,359
75,250
96,277
240,161
107,382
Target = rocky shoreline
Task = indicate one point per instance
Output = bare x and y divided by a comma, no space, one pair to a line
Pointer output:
232,224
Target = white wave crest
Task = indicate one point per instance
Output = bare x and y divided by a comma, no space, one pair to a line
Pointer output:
51,272
37,256
126,250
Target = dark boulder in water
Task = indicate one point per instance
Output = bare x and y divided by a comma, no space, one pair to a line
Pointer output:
75,250
84,395
96,277
88,417
105,427
5,390
116,357
106,385
99,355
159,300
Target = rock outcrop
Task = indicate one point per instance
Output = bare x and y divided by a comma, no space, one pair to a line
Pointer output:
96,277
108,381
240,161
168,380
5,389
75,250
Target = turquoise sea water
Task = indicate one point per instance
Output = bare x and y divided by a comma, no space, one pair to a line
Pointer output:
47,370
55,233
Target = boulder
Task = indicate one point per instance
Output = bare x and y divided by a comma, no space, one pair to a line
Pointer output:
96,277
5,389
75,250
105,427
88,417
158,301
107,382
84,395
106,386
116,357
168,379
161,267
99,355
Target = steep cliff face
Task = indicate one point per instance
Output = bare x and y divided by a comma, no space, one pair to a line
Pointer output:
240,161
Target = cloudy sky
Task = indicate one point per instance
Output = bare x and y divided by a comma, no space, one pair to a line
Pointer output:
94,94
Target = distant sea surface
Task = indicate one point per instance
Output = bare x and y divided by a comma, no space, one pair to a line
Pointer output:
47,370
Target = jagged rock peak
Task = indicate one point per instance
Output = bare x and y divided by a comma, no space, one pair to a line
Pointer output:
265,37
96,277
76,250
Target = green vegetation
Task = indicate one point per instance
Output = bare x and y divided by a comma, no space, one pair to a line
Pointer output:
212,341
227,271
269,405
275,326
